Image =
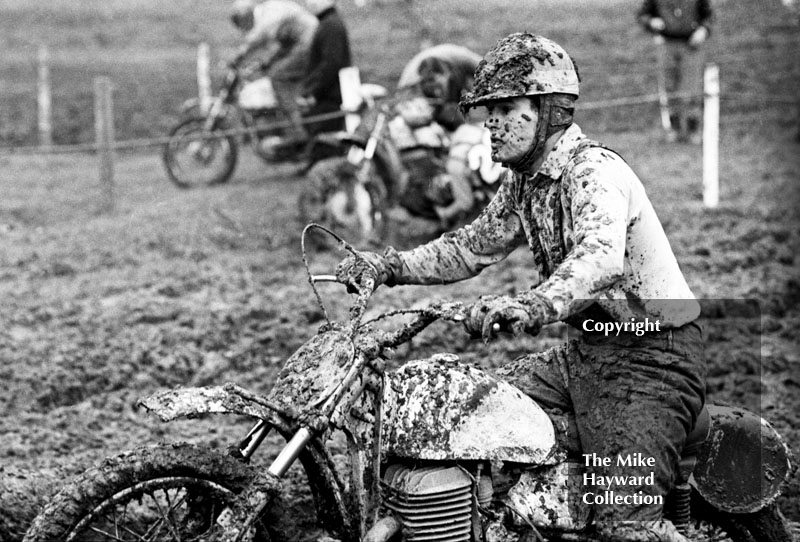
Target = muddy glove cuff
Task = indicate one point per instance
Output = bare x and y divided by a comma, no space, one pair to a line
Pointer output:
493,313
354,269
394,264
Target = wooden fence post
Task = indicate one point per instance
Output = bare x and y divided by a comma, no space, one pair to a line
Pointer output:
661,80
104,132
711,136
44,98
204,77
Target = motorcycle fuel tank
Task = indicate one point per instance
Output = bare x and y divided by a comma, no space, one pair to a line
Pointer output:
441,409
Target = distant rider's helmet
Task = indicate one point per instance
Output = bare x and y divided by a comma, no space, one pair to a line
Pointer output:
524,64
242,15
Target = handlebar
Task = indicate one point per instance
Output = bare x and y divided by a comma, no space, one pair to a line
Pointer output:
453,311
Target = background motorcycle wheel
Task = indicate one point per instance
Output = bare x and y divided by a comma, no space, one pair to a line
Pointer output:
333,197
191,158
169,492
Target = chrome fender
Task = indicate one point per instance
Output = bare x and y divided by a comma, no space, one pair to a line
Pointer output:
192,402
441,409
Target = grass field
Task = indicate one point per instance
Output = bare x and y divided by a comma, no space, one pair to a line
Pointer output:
149,48
205,286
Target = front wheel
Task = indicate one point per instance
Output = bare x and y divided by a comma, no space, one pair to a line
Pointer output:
165,493
333,196
195,156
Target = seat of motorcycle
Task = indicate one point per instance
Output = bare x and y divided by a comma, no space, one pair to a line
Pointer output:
698,435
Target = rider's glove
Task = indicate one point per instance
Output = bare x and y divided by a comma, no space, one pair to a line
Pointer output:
353,270
656,25
698,37
492,313
305,103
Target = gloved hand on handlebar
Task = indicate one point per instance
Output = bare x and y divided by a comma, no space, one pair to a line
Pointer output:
492,313
353,270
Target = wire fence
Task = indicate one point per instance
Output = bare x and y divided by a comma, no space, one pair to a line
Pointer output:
627,71
253,130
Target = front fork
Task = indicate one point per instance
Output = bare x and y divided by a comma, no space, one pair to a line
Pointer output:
237,520
362,159
215,112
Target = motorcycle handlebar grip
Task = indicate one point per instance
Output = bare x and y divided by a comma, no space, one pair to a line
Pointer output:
324,278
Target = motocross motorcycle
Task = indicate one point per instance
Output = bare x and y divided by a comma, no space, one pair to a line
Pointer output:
437,450
203,148
392,164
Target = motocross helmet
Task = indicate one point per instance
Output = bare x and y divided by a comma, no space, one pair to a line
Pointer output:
524,64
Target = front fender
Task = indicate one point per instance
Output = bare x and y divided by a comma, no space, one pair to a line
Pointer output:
325,483
441,409
193,402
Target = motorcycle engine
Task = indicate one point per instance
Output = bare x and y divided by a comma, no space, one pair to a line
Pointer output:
436,502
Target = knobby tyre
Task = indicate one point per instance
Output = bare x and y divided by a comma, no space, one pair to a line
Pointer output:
194,157
164,493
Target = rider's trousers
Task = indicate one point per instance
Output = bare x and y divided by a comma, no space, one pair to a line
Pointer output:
624,406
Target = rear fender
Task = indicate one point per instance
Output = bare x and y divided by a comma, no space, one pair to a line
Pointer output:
743,462
441,409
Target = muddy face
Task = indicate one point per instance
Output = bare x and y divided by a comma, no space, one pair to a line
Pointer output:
512,124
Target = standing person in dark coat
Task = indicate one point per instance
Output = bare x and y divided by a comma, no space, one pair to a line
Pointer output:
330,52
681,28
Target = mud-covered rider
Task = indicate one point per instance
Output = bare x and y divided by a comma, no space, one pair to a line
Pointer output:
278,35
600,255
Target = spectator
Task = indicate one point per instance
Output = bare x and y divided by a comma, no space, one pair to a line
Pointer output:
330,52
681,28
434,80
441,73
279,34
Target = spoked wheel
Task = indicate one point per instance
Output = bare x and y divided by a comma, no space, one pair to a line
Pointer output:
167,493
196,157
333,197
158,509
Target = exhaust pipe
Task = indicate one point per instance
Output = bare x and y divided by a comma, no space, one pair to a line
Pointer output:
383,530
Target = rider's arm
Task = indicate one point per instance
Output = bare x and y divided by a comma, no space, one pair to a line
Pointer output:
602,208
264,36
465,252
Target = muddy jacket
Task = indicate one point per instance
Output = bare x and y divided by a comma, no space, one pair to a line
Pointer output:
681,17
595,238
